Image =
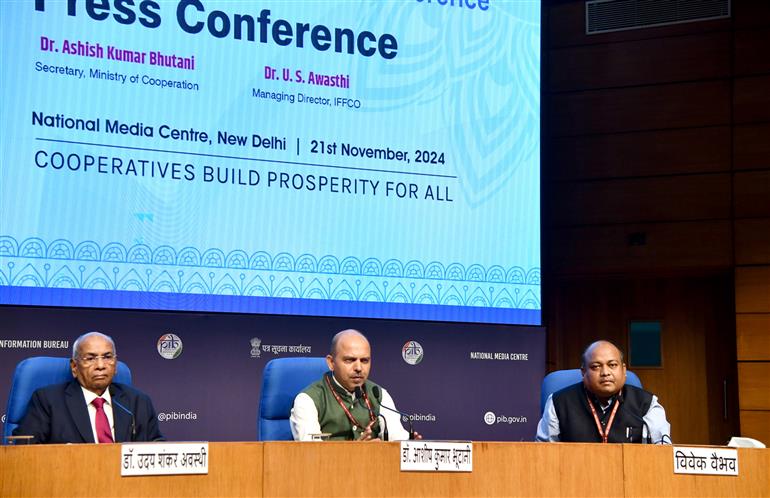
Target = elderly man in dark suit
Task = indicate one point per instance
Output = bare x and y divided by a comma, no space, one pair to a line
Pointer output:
90,408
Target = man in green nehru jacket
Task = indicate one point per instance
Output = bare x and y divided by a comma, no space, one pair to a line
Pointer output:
343,404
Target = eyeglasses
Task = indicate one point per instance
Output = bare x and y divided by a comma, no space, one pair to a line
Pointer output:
92,359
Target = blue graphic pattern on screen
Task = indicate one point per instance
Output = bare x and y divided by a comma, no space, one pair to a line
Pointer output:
356,158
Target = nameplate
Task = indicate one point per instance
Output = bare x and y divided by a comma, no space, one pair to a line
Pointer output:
711,461
160,459
436,456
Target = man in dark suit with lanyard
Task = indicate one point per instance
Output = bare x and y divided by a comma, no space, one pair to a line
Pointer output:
90,408
602,408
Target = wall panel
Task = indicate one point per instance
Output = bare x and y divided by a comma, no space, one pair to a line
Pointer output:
751,99
752,289
751,14
752,194
669,247
700,56
658,162
752,146
756,424
748,45
752,241
752,332
665,152
754,392
692,197
676,105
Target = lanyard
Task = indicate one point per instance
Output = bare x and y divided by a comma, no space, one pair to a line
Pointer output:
604,434
350,416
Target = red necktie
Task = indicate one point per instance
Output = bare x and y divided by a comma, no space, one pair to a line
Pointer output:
103,431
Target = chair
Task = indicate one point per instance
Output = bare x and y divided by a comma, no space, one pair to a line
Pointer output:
282,380
560,379
40,371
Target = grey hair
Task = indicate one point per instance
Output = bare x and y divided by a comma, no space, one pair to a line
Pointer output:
76,344
338,336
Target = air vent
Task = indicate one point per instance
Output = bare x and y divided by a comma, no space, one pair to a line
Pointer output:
604,16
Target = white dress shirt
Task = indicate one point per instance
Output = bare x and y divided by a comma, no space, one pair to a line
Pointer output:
107,406
660,430
304,418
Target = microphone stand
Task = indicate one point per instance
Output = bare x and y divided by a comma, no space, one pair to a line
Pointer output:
376,392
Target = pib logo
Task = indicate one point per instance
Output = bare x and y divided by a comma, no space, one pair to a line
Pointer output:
412,352
170,346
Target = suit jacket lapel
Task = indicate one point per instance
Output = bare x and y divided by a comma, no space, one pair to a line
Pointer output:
121,418
76,404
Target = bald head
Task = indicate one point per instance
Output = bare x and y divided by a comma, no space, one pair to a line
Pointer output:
349,359
600,343
604,373
345,334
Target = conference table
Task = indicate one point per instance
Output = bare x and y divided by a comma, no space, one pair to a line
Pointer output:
373,469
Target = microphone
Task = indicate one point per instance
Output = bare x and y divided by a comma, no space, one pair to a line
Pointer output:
376,392
638,419
645,425
385,427
359,398
133,419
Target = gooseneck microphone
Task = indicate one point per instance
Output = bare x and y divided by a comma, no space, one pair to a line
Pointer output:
663,437
359,393
644,424
376,392
385,436
637,418
133,419
359,398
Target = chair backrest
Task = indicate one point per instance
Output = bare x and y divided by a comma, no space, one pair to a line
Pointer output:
40,371
560,379
282,380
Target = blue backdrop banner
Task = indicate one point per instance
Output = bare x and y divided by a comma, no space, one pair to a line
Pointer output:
204,371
